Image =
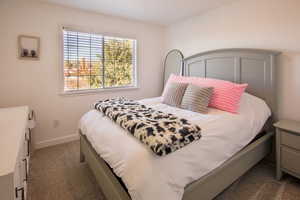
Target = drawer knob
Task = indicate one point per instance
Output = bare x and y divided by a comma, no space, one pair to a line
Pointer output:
26,175
17,190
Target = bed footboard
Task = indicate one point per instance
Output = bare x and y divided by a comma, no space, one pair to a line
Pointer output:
206,188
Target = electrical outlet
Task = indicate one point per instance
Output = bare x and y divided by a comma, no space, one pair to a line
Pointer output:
55,123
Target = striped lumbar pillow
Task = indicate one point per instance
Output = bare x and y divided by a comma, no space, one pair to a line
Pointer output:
196,98
173,94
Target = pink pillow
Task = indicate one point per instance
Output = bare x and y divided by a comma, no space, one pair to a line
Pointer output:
226,95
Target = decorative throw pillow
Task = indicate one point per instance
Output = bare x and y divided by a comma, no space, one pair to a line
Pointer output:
196,98
173,94
226,95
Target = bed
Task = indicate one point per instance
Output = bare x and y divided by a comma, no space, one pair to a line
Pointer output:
255,67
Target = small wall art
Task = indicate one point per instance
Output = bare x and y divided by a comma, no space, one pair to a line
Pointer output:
29,47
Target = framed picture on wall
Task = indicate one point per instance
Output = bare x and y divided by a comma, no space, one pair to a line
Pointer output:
29,47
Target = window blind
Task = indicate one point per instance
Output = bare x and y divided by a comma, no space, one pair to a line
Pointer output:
94,61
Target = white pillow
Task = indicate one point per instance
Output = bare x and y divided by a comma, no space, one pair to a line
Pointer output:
251,105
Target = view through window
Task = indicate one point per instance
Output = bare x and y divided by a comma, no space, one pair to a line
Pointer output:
94,61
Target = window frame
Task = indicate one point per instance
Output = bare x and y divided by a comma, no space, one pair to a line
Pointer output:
62,90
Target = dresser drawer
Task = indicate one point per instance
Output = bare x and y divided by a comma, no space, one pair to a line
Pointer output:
290,139
290,159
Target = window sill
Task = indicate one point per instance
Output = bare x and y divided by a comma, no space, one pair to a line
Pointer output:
95,91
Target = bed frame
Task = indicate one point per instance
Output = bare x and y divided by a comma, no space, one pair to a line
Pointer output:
253,66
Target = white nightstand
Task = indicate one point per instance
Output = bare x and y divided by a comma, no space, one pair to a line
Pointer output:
287,148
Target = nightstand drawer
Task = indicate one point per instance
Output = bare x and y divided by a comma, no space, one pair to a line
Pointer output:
290,139
290,159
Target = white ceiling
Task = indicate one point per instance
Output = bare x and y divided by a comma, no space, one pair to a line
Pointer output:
163,12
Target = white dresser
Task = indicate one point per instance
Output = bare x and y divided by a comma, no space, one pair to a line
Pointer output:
14,152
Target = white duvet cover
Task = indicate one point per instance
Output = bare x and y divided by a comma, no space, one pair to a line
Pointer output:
148,176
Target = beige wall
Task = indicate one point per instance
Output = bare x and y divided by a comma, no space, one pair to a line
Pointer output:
267,24
36,83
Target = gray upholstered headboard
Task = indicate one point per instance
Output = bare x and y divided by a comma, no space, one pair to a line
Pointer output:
253,66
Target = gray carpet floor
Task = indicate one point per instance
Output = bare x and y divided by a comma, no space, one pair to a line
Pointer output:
56,174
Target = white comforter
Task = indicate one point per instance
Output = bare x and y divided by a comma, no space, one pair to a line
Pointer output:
148,176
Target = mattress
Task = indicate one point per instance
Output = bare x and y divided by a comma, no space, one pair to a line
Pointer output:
149,176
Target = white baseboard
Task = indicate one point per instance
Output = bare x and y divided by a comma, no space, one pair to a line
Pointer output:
55,141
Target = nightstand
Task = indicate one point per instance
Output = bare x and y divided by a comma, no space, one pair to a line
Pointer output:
287,148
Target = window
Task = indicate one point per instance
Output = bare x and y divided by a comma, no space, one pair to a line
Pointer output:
94,61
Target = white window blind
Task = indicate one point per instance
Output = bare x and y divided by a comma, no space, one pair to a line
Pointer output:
93,61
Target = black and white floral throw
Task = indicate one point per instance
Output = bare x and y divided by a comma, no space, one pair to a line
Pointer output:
164,133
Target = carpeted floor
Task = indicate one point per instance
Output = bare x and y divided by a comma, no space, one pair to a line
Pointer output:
56,174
